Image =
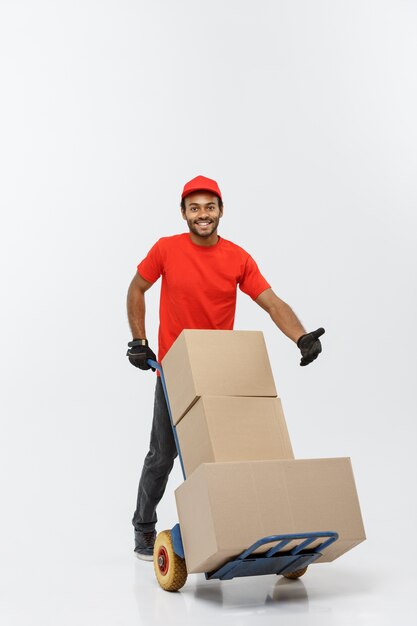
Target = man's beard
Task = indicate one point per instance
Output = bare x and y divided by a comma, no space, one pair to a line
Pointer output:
213,225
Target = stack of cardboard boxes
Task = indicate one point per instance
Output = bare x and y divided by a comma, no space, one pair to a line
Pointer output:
242,481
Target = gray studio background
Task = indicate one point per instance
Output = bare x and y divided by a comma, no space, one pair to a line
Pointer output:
304,112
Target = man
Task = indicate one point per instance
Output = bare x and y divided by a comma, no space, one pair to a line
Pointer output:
200,273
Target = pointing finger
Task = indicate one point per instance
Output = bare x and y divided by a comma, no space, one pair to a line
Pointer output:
318,333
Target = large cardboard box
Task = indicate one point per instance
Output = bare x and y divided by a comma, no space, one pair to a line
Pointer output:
223,508
216,362
233,428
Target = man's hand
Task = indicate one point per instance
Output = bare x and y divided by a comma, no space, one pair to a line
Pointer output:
139,352
310,346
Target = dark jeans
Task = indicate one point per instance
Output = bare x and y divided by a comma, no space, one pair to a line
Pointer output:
157,466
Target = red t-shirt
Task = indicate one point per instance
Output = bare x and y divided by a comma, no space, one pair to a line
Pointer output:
198,284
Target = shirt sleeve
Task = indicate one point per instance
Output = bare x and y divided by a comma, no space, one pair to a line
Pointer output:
151,267
252,282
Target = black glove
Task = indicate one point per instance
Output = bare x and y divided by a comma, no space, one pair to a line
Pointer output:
310,346
139,352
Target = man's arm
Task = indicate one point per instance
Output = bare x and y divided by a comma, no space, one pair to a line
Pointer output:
282,314
136,306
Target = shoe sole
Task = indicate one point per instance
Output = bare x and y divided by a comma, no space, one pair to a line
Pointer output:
144,557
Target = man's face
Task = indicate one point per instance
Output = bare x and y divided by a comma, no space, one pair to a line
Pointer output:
202,213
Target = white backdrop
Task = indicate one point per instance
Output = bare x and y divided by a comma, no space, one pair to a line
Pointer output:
304,112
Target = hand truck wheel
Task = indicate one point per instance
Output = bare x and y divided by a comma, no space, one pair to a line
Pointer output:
170,569
297,574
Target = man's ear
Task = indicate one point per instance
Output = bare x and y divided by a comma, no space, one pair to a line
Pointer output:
182,213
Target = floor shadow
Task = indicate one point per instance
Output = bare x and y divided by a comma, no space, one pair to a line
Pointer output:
252,591
289,592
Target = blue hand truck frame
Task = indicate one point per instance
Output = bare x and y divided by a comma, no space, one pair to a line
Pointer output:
279,559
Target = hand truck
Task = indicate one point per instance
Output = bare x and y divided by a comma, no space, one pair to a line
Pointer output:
290,562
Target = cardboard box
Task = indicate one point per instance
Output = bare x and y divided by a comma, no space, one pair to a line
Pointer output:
223,508
232,428
216,362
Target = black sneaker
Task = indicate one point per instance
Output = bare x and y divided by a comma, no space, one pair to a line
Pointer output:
144,543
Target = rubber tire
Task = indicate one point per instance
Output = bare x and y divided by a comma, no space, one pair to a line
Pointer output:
297,574
176,575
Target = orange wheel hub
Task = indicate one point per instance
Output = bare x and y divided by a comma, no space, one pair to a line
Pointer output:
163,560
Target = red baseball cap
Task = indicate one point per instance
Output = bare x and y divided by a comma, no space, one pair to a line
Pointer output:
201,183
